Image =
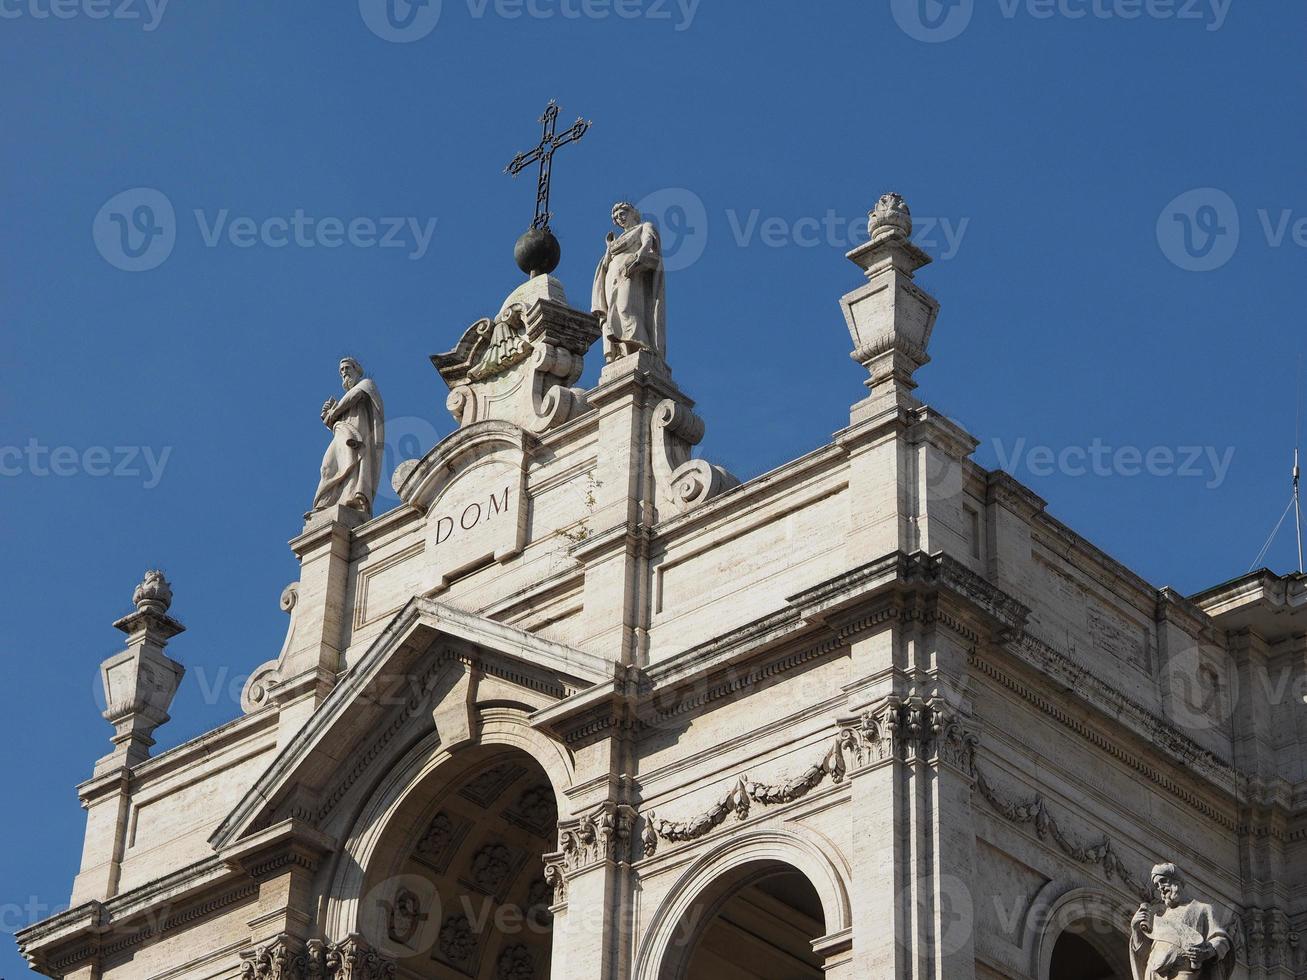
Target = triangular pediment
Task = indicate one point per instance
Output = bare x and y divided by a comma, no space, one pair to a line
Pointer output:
390,698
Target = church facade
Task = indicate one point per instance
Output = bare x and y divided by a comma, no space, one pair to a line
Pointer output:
586,707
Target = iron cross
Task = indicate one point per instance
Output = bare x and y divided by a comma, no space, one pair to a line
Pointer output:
545,154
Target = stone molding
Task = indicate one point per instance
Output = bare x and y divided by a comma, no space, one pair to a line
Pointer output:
288,958
1179,747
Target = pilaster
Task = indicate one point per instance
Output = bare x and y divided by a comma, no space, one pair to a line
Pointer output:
307,670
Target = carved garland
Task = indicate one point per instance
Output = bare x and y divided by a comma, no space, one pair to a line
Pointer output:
1035,811
745,792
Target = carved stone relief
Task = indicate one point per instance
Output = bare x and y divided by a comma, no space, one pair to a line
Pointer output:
520,365
515,963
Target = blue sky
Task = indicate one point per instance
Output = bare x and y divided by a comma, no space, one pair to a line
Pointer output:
1093,306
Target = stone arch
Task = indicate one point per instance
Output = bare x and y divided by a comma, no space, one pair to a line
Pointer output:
786,848
428,770
1085,915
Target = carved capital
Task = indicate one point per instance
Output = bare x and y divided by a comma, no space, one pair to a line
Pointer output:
909,729
604,834
288,958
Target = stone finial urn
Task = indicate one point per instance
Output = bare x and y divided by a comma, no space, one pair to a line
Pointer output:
153,593
890,318
141,681
890,218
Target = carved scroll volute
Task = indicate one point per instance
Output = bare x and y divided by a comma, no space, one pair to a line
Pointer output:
683,483
554,369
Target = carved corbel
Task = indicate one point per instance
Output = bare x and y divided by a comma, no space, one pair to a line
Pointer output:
683,483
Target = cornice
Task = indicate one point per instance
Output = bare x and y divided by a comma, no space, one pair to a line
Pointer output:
1117,709
98,929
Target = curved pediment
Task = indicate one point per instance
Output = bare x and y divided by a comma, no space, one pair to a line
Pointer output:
420,482
428,670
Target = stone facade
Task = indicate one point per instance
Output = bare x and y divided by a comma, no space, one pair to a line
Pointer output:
584,706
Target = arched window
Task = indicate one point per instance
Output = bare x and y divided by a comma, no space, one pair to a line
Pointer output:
1076,958
1079,934
757,922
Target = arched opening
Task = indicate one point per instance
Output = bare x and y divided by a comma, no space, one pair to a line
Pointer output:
757,922
1083,954
460,892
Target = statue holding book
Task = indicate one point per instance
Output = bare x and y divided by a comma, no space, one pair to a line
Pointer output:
1178,939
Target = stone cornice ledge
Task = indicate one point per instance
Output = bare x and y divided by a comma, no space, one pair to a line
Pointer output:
804,612
835,611
86,930
1075,681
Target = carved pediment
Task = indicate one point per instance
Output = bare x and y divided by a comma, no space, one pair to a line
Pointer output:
418,676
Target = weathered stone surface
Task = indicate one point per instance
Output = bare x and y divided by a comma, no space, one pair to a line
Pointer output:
580,691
